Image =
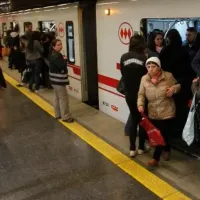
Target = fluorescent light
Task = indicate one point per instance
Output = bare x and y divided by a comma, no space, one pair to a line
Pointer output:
101,4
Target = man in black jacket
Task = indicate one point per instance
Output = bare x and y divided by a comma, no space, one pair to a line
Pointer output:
193,42
132,69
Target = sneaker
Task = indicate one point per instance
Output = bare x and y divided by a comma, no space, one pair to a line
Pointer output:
140,152
70,120
133,153
20,85
153,163
166,156
39,91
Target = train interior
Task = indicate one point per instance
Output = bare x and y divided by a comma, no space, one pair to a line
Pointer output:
181,24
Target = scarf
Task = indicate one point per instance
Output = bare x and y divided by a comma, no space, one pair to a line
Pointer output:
155,78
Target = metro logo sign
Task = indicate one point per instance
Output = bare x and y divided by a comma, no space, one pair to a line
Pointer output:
125,33
61,30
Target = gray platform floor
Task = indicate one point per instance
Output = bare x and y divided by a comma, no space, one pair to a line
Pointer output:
182,171
41,159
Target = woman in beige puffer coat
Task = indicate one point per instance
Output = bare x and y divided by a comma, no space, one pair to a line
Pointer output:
158,87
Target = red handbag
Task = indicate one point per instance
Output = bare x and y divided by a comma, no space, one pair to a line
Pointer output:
154,134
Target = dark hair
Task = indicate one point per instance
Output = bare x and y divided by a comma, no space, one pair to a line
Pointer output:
23,37
192,29
152,38
173,37
27,24
16,29
46,36
137,44
30,42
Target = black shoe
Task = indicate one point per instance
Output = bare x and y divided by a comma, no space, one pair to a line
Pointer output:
70,120
19,85
31,90
58,118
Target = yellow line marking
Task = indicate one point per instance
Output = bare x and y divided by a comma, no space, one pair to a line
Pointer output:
146,178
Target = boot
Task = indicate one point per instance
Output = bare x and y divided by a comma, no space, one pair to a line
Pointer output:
153,163
166,156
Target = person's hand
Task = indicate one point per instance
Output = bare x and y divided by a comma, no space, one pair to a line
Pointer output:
65,57
15,48
195,80
141,109
170,91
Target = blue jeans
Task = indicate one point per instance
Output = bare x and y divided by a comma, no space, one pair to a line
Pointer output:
36,68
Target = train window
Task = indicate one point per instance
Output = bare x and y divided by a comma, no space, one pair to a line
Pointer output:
4,28
47,26
147,26
70,42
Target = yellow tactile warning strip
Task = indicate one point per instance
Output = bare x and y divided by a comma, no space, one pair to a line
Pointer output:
146,178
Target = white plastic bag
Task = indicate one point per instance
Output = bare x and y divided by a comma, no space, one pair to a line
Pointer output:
188,131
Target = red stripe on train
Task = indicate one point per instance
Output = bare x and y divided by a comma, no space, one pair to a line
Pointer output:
108,81
118,66
76,69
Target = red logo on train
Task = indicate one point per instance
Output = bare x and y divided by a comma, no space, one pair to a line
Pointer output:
61,29
125,32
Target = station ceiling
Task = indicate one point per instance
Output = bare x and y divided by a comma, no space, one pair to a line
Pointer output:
26,4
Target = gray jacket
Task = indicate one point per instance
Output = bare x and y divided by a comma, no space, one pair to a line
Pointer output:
36,53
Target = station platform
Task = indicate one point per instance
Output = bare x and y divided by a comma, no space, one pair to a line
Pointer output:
41,159
180,175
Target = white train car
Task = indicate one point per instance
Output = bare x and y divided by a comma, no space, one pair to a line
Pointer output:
65,19
117,21
101,34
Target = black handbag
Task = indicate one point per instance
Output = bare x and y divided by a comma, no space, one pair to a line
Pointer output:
2,80
120,87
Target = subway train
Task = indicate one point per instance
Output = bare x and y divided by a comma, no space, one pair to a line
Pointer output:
95,36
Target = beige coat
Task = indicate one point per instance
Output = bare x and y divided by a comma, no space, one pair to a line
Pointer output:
160,106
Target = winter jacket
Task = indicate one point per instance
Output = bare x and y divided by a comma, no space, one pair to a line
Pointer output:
58,69
196,64
36,53
132,69
194,48
160,107
176,61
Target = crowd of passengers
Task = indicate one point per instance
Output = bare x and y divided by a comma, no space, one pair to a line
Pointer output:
38,58
157,79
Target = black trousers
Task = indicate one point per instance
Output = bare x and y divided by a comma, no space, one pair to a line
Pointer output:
165,126
136,118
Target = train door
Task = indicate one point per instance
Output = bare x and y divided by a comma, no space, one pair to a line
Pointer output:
181,24
89,72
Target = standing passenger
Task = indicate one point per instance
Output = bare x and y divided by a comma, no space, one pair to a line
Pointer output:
59,80
193,42
156,42
33,52
132,69
158,87
175,59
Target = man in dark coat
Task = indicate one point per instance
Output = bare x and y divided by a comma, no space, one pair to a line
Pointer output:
193,42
